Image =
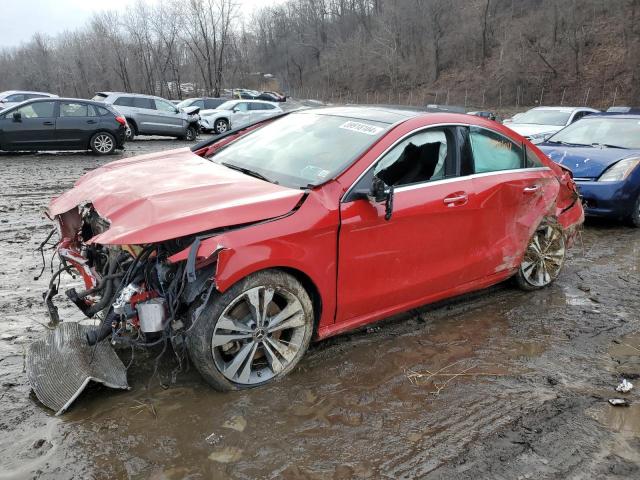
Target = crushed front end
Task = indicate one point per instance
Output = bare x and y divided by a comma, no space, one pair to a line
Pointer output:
138,297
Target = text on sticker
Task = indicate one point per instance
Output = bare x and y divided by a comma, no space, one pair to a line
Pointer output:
361,128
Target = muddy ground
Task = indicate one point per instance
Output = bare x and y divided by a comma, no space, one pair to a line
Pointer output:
546,363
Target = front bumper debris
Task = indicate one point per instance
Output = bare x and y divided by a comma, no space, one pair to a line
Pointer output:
60,366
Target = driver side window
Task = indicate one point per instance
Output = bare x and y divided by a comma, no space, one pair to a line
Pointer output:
242,107
423,157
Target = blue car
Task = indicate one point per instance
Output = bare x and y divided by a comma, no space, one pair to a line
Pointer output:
603,152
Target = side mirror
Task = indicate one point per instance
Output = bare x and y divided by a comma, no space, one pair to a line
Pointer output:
379,192
17,117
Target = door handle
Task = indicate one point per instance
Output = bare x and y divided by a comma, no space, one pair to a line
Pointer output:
47,123
458,198
91,121
531,189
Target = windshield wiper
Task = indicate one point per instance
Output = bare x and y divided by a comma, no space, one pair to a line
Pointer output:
607,145
568,144
249,172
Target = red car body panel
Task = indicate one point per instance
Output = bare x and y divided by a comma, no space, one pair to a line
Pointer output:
161,196
361,266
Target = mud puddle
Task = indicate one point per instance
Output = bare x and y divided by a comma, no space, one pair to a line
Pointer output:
504,379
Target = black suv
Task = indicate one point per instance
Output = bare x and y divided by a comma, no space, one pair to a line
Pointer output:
62,124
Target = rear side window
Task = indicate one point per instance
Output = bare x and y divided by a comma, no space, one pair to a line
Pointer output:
68,109
16,97
493,152
532,160
212,103
102,111
124,102
147,103
257,106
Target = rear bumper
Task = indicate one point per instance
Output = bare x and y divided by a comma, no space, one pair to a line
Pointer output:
608,199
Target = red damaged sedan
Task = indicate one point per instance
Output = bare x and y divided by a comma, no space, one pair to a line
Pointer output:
307,226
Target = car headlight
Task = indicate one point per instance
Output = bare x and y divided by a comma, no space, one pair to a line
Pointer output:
619,171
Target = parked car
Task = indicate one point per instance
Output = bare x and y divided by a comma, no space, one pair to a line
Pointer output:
14,97
149,115
603,152
271,97
243,93
484,114
540,123
235,113
204,103
314,224
62,124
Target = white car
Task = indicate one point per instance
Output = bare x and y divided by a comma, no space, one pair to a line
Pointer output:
539,123
14,97
236,113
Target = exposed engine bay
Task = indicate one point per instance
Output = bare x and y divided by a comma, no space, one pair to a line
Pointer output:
139,298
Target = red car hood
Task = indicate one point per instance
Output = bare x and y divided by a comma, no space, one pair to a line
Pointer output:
161,196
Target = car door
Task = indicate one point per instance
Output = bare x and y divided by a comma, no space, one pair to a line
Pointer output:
75,124
514,190
169,118
147,118
33,128
424,248
240,115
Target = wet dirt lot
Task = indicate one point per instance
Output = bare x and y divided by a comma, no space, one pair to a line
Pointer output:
530,401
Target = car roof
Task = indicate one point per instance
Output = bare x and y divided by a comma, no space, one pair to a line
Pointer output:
375,114
64,99
622,116
11,92
141,95
565,109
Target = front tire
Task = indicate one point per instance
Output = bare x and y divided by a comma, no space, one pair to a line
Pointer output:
103,143
634,218
254,333
190,135
543,259
221,126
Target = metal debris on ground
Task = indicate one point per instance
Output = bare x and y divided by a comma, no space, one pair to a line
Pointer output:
619,402
60,366
625,386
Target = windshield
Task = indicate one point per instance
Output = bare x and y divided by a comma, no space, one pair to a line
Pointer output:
302,149
186,103
616,132
543,117
226,105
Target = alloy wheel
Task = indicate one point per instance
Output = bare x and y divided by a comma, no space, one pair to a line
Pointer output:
258,335
103,143
544,257
221,126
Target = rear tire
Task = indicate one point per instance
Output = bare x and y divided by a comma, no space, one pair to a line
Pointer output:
103,143
130,131
544,258
254,333
221,126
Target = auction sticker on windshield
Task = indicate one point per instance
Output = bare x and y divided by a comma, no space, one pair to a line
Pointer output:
362,128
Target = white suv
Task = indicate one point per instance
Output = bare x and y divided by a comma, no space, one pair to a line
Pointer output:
540,123
236,113
14,97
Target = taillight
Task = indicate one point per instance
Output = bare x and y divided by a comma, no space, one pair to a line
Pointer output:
121,120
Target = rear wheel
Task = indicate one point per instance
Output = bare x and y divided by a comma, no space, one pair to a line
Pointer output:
130,131
221,126
103,143
256,332
543,259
